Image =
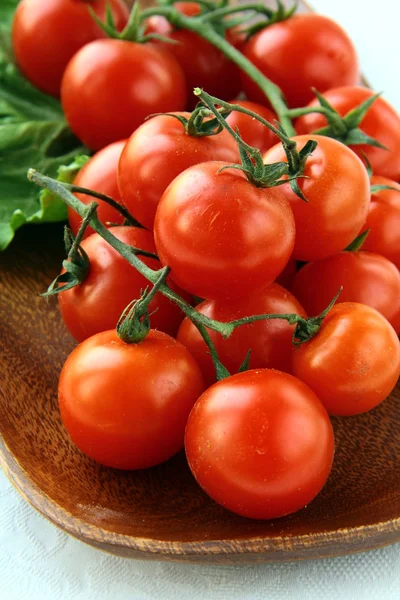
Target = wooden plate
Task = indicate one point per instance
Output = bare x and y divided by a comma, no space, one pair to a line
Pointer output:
161,513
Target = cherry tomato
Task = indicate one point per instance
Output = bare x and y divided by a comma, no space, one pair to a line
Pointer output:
337,189
381,123
252,131
383,221
110,86
204,65
270,341
156,153
221,235
47,33
99,174
305,51
260,443
112,283
126,405
366,278
353,363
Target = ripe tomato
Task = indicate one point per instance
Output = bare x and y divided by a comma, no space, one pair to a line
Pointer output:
112,283
366,278
353,363
99,174
204,65
46,35
260,443
303,52
126,405
156,153
221,235
383,221
337,190
252,131
270,341
381,123
110,86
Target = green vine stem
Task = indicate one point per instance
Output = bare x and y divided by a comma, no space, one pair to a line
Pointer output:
305,328
204,29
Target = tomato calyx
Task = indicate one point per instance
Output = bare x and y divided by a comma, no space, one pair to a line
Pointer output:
344,129
357,243
258,173
308,328
281,13
134,323
77,264
199,124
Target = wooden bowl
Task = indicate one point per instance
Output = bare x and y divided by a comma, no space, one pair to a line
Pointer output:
161,513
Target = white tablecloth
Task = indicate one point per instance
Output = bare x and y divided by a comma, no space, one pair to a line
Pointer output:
39,562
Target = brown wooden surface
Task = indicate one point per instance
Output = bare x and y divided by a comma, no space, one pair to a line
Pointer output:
161,513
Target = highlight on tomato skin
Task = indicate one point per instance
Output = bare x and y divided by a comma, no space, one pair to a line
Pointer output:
365,277
99,174
337,189
270,341
260,443
112,283
126,405
353,363
47,33
210,259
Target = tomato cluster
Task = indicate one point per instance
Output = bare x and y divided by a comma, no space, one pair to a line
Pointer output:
246,238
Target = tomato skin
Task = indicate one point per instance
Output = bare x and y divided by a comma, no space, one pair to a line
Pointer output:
222,236
126,405
252,131
260,443
366,278
353,363
46,35
110,86
161,146
381,122
338,194
99,174
204,65
305,51
270,341
286,277
112,283
383,221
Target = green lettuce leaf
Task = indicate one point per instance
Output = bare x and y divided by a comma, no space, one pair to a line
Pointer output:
33,133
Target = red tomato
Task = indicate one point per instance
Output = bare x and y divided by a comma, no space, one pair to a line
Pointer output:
221,235
366,278
353,363
112,283
156,153
126,405
383,221
270,341
204,65
252,131
110,86
381,123
337,190
305,51
260,443
99,174
47,33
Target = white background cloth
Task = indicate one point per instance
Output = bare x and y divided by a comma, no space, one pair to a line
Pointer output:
39,562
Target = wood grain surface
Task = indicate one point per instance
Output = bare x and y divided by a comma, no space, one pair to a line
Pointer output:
161,513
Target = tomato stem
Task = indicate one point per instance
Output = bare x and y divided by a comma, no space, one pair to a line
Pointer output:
204,29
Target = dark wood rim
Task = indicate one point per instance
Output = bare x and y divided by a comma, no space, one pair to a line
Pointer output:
327,544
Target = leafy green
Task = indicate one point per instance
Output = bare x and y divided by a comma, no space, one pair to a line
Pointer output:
33,133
